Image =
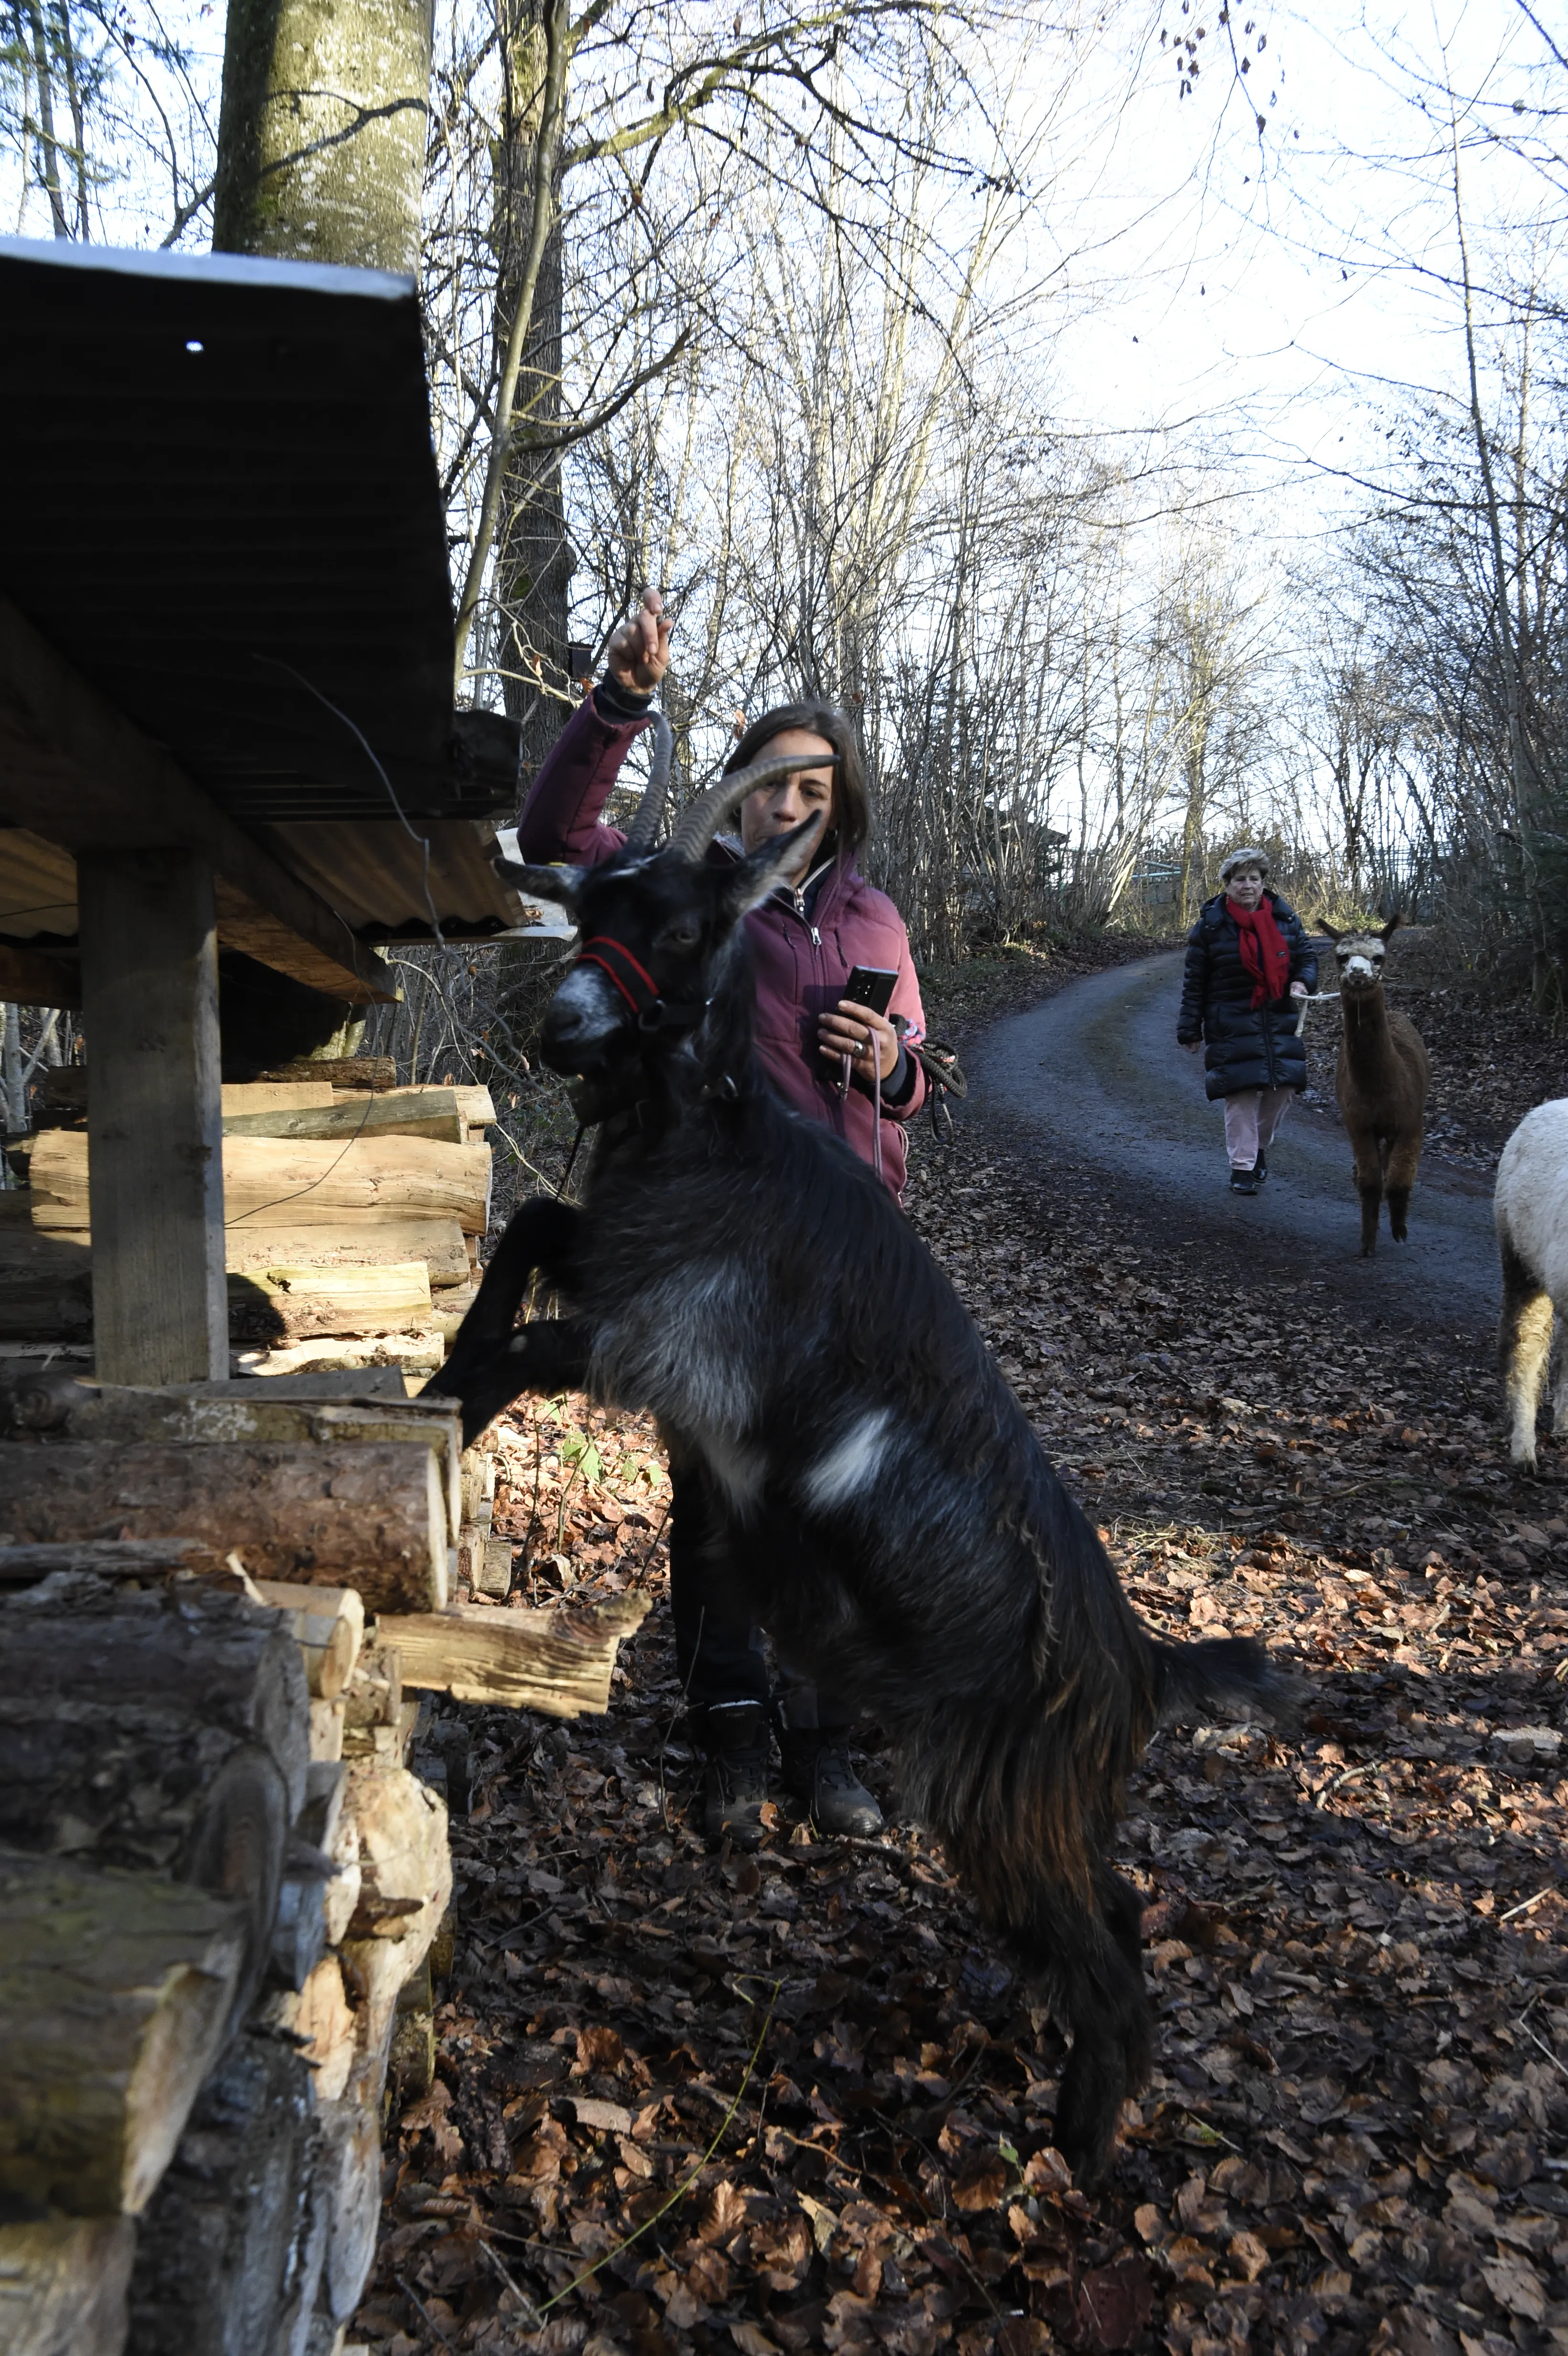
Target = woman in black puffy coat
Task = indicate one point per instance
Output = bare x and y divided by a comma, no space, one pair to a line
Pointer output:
1248,964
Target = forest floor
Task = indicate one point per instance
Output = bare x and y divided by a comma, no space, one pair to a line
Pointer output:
797,2101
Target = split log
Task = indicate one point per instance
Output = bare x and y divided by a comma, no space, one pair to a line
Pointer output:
293,1183
555,1662
353,1243
286,1304
402,1112
325,2021
349,2183
115,1989
417,1356
342,1071
474,1103
229,2257
405,1887
374,1516
327,1623
250,1097
62,2286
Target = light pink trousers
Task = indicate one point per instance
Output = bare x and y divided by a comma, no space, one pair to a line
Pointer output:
1251,1123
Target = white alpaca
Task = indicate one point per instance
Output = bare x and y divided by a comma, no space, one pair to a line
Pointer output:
1531,1207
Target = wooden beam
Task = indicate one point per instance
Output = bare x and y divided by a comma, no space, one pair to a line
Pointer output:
154,1137
75,770
28,979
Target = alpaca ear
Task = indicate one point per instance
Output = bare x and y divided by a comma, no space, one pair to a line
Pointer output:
1333,931
1393,925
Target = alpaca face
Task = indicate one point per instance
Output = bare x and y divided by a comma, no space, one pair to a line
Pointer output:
1359,957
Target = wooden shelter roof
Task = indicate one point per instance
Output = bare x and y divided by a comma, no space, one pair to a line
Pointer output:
226,611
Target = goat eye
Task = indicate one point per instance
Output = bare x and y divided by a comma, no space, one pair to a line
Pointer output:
683,934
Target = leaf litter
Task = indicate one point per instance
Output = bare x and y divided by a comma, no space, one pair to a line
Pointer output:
796,2101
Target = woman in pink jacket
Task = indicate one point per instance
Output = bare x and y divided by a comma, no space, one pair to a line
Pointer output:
824,920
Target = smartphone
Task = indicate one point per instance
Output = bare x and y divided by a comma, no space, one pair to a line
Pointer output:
872,986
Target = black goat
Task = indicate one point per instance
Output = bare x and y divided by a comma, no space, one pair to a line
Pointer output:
738,1272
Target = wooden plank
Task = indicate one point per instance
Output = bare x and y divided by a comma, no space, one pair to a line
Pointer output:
30,979
149,971
76,772
62,2286
115,1989
399,1112
298,1183
555,1662
374,1517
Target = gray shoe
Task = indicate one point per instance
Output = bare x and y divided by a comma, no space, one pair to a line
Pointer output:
735,1777
818,1771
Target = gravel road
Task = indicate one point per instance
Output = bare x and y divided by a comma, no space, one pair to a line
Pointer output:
1096,1069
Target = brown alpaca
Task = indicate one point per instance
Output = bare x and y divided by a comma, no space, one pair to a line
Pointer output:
1381,1080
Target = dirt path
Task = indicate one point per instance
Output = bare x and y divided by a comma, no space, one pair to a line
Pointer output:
1096,1072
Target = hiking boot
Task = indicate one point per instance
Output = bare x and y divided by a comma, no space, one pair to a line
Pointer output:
818,1771
1260,1169
735,1775
1244,1182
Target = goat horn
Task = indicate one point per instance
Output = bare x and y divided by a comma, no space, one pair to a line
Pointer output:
697,825
644,830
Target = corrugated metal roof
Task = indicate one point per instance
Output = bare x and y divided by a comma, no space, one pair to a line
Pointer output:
222,504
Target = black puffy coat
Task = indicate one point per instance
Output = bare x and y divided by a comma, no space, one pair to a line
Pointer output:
1244,1048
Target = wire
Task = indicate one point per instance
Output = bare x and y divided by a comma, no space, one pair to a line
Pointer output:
279,1200
354,728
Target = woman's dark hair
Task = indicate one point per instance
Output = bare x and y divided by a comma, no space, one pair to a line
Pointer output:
851,795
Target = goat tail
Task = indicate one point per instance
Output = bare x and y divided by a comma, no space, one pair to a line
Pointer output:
1229,1675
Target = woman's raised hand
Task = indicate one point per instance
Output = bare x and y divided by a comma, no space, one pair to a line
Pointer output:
637,656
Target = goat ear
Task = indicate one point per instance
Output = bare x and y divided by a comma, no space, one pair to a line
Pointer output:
1387,931
559,885
748,885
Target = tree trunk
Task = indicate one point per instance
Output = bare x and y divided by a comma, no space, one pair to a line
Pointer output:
321,135
117,1989
373,1517
534,561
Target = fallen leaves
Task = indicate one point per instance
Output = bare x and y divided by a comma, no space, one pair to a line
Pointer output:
1353,1941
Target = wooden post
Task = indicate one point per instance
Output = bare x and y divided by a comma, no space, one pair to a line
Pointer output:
149,977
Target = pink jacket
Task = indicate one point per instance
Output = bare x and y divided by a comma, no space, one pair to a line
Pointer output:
802,964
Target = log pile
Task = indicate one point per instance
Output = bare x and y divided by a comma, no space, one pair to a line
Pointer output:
353,1210
222,1611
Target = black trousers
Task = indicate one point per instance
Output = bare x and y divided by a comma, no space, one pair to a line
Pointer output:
718,1650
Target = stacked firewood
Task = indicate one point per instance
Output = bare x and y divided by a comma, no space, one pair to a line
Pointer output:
223,1612
353,1210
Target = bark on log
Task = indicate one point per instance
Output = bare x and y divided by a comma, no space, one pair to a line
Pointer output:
282,1183
327,1623
163,1731
555,1662
374,1517
342,1071
115,1989
402,1112
241,1414
62,2286
282,1303
226,2260
142,1558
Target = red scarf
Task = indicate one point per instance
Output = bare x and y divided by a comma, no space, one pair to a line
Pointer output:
1263,951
